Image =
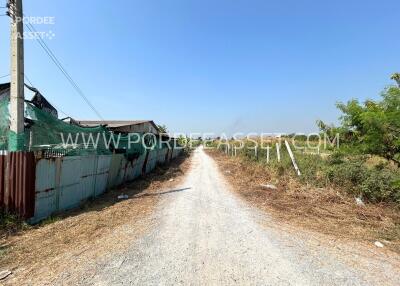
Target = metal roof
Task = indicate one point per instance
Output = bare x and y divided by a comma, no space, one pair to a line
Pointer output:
4,86
115,123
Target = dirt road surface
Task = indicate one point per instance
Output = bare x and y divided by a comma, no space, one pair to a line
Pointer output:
203,234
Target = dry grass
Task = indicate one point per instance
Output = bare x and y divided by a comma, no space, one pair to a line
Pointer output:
50,245
327,211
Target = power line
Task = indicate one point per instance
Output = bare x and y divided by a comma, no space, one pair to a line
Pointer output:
27,78
61,68
5,76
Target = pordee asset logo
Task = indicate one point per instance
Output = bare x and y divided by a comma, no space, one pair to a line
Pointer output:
261,141
103,139
32,33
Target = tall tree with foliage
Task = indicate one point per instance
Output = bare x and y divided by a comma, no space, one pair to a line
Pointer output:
396,77
376,124
162,128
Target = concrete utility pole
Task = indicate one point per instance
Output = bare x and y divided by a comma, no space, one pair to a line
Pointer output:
16,138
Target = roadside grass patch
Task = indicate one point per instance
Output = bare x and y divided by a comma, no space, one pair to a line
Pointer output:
323,198
11,224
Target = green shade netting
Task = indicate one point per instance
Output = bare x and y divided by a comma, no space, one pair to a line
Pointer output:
49,133
4,123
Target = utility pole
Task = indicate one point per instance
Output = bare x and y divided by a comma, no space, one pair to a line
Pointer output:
16,138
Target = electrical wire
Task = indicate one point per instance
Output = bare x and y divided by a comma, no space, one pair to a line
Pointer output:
63,70
55,60
27,78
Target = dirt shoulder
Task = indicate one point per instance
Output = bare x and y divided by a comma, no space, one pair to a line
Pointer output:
99,227
325,211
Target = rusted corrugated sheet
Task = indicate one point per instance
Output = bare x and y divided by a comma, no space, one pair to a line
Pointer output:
18,183
2,178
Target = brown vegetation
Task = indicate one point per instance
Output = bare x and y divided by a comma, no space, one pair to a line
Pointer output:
326,210
95,229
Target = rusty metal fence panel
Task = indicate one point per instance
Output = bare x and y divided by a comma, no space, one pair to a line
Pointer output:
3,159
102,174
115,178
176,152
139,165
64,183
17,183
71,180
152,161
87,175
162,155
46,191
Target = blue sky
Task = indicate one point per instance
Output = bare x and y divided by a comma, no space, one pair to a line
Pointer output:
213,66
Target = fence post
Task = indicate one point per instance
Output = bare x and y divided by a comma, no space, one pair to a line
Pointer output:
292,157
30,140
267,154
278,154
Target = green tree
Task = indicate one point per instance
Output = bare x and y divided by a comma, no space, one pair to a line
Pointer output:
162,129
375,124
396,77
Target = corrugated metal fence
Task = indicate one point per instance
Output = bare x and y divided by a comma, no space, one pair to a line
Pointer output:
38,189
17,183
64,183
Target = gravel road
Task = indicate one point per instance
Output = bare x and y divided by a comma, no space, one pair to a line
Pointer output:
206,235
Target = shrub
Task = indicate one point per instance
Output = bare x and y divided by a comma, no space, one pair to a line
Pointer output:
352,173
376,184
347,174
336,158
380,185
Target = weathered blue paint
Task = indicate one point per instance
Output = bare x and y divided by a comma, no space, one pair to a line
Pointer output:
115,177
46,201
102,174
64,183
70,188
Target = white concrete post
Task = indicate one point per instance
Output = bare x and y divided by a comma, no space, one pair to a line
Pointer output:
17,77
292,157
278,154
